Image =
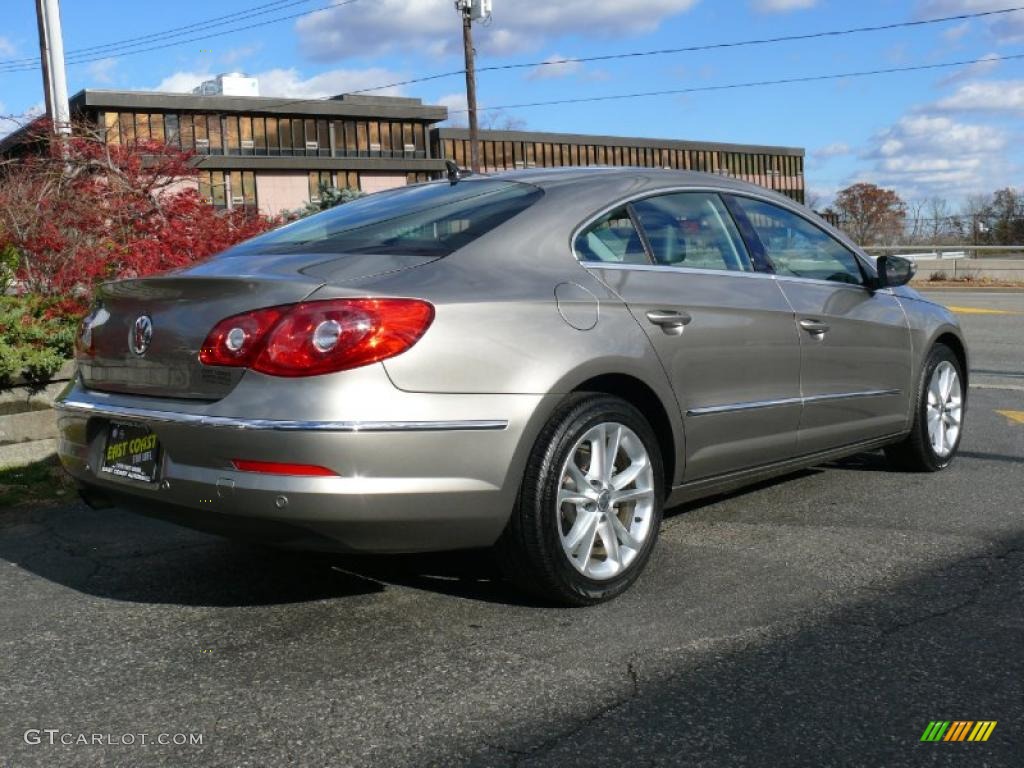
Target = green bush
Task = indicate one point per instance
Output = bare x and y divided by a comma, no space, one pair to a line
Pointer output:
36,336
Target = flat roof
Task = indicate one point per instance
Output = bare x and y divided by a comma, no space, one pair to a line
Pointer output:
345,105
618,141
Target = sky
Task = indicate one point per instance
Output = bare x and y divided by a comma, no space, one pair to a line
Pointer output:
948,132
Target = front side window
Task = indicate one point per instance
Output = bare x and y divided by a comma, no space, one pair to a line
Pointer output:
694,230
611,239
796,247
427,220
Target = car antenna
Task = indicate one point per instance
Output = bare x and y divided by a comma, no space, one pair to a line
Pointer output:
456,174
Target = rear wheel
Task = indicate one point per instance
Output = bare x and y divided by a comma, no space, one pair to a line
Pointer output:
938,416
589,508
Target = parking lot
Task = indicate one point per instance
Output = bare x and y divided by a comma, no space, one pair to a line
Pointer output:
824,618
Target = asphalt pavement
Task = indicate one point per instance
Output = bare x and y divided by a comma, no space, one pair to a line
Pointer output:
821,619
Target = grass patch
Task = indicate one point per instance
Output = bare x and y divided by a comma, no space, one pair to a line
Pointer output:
39,483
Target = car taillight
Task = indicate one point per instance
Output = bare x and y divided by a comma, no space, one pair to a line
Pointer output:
317,337
235,341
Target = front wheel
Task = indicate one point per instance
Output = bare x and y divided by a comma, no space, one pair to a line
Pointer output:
589,508
938,416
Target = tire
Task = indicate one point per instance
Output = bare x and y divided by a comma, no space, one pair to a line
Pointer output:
534,551
936,413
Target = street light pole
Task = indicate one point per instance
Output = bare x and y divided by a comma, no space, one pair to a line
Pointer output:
465,8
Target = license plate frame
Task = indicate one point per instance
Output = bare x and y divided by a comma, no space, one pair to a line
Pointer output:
132,452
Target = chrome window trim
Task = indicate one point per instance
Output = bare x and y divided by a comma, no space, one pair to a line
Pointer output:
785,203
735,407
668,268
194,419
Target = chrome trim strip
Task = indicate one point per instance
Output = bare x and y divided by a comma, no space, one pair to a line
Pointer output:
710,409
668,268
732,407
194,419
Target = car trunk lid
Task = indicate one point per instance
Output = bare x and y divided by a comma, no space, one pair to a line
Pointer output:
181,310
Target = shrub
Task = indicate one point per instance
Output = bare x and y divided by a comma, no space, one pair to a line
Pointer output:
36,336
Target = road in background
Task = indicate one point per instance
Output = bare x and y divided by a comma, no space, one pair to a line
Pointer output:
821,619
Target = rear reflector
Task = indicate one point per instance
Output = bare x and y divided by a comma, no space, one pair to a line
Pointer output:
276,468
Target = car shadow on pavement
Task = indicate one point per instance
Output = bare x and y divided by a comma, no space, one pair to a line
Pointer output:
121,556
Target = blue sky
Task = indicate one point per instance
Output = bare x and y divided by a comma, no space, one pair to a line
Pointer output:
948,132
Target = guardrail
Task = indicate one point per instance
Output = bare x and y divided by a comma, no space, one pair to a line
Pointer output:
970,251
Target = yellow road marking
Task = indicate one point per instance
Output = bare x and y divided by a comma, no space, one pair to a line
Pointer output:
1013,416
980,311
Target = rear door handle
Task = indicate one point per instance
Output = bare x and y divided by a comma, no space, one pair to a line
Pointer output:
671,321
814,327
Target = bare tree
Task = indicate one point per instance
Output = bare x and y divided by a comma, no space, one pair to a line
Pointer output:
870,214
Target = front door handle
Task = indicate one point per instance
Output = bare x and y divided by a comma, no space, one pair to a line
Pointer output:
814,327
671,321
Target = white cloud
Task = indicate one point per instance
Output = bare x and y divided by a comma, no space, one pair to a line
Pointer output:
554,67
782,6
1005,27
982,66
371,28
953,34
925,154
6,47
835,149
989,96
290,82
102,71
14,122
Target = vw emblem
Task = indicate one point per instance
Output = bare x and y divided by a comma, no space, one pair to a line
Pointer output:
141,335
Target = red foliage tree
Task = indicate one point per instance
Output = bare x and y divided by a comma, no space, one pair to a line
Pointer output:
82,211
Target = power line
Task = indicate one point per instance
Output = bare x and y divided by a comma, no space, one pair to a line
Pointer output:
277,5
22,68
754,84
703,47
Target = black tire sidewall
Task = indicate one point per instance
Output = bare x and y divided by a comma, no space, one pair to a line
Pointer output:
576,422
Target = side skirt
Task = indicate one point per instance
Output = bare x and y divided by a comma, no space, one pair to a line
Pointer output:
710,486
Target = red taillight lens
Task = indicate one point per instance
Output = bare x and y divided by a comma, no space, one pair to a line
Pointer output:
237,340
318,337
278,468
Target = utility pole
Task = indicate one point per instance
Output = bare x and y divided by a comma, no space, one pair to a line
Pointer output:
472,10
51,56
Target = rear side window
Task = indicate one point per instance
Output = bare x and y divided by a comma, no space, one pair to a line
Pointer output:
612,239
796,247
430,220
694,230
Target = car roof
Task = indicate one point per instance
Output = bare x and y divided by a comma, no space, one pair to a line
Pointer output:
596,178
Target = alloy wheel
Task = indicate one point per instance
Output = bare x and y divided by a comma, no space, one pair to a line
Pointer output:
944,409
605,501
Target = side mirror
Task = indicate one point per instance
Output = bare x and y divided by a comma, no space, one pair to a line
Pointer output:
894,271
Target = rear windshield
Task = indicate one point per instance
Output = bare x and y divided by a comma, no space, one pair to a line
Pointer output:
430,220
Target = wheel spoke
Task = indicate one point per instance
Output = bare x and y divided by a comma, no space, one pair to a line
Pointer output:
629,474
611,542
597,449
580,541
947,382
577,475
634,494
625,537
611,452
569,496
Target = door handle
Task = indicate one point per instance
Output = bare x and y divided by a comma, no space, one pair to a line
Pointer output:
671,321
814,327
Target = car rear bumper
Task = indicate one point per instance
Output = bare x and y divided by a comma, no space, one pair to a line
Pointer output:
443,476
